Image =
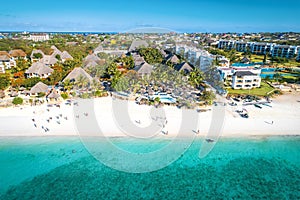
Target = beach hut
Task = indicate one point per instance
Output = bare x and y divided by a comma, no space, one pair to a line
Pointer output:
136,44
173,59
184,67
53,95
76,73
40,87
144,69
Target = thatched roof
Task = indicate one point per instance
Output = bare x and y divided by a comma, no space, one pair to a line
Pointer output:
184,67
66,56
98,49
35,52
138,60
4,53
92,60
38,88
49,60
17,53
136,44
144,69
38,68
54,94
4,58
76,73
173,59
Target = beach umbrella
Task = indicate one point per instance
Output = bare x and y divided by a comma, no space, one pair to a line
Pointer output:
22,88
13,94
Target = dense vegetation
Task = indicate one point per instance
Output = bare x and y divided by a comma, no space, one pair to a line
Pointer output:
151,55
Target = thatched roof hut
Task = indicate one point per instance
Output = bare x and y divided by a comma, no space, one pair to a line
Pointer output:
53,95
144,69
76,73
137,44
40,87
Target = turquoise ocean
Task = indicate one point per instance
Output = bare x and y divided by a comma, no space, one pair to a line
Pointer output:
237,168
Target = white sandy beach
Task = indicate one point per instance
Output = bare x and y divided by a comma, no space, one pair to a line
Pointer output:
283,118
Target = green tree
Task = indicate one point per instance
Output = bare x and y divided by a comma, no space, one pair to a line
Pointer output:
208,96
57,56
17,101
151,55
64,96
196,77
82,82
67,85
4,81
30,82
37,55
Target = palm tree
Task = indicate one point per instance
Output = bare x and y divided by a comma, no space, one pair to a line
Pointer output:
81,81
67,85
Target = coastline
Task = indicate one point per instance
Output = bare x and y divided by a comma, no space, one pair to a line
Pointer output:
284,115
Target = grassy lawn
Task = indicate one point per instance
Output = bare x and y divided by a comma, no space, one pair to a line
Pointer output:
262,91
257,58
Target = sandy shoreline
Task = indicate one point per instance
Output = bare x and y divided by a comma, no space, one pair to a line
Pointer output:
283,118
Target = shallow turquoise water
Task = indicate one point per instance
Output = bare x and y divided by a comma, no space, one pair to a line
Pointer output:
237,168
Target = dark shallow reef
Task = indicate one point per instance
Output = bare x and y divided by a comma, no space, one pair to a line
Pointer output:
240,178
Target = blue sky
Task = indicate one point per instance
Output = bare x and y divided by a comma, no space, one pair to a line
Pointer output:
178,15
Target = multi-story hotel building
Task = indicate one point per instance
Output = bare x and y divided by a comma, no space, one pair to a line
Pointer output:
284,51
245,80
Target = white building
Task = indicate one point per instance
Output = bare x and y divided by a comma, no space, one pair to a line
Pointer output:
39,37
197,57
245,80
284,51
242,46
298,57
226,44
261,48
6,61
38,69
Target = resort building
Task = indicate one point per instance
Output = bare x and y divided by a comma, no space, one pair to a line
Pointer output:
40,87
50,60
261,48
223,61
39,37
227,73
138,59
144,69
242,46
199,58
76,74
38,69
136,44
36,55
92,60
298,57
245,80
284,51
18,54
226,44
185,67
172,59
6,61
